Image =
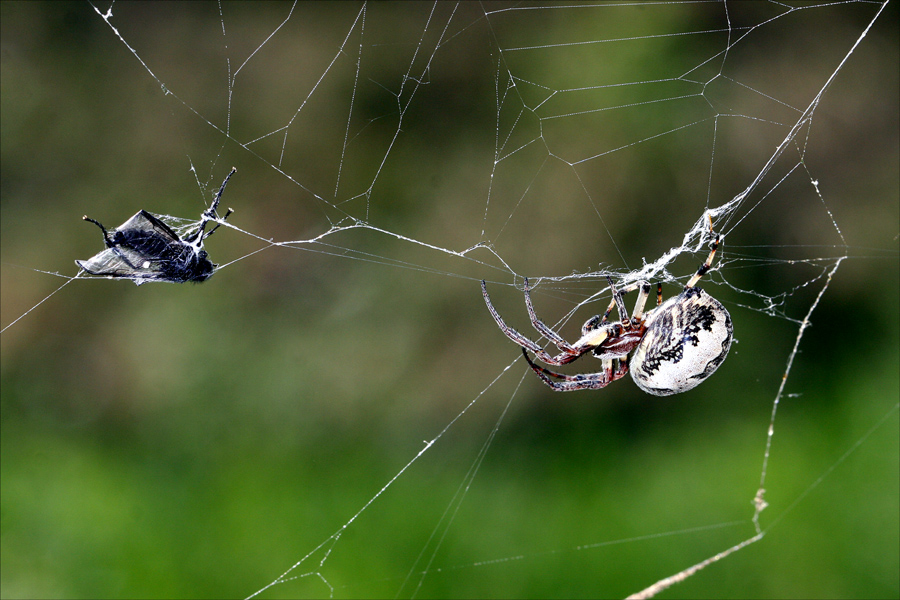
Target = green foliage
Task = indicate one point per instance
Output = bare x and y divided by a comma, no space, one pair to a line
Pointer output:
196,441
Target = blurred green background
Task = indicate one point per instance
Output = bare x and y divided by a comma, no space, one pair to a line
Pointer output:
196,441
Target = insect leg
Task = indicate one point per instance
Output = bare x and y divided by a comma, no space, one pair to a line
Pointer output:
211,231
106,239
210,213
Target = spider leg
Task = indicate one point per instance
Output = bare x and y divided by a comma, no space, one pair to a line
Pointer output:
591,335
613,369
704,268
617,301
617,298
560,359
641,300
597,320
620,304
543,329
594,322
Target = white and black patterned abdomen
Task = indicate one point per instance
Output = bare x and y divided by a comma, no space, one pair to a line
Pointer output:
687,338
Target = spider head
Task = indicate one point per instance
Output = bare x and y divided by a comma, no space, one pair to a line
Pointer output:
619,341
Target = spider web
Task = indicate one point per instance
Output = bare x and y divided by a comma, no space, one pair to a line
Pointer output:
337,405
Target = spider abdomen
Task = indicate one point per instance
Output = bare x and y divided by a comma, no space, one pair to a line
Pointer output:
687,338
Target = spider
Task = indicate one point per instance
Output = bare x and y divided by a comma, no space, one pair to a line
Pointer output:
145,249
668,350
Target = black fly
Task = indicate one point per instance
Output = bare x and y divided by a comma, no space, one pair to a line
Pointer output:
145,249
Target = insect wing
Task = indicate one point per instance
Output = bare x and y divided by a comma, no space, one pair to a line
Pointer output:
114,262
140,243
144,221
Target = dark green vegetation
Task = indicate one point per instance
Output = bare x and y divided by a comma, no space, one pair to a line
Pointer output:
196,441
